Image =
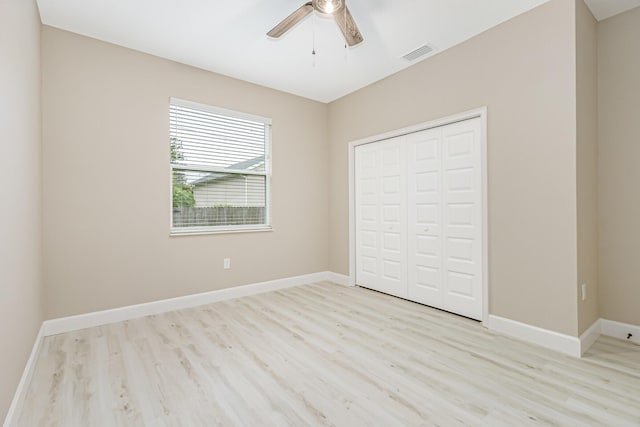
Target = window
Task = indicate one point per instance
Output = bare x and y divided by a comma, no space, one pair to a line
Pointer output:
220,169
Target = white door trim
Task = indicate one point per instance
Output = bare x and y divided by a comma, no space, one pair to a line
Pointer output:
471,114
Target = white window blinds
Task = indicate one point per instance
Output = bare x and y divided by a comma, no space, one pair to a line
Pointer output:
220,162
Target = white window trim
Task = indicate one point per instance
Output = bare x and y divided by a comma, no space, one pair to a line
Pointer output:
224,229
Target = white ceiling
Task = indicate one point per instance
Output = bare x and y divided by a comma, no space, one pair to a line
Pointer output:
603,9
228,37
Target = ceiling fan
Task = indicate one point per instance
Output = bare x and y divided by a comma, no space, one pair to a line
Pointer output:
329,8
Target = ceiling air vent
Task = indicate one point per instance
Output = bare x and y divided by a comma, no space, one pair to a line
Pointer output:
421,51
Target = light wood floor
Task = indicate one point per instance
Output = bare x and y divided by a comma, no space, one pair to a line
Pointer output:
324,355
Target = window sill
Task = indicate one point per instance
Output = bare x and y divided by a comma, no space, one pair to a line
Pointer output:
208,230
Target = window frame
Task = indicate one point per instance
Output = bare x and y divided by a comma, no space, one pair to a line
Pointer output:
223,229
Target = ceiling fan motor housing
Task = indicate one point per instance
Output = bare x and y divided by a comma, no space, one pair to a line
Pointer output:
328,7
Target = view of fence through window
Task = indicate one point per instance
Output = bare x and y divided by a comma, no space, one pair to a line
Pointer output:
219,163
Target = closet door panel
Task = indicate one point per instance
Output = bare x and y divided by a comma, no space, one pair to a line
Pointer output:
462,210
393,204
367,182
381,262
424,197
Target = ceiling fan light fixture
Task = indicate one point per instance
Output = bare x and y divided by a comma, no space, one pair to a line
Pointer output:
328,7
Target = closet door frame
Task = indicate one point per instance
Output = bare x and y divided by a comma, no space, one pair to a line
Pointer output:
471,114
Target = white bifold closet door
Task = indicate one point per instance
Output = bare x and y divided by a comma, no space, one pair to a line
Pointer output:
419,217
381,196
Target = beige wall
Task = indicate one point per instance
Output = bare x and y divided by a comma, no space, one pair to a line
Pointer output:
524,72
106,180
619,166
20,216
587,162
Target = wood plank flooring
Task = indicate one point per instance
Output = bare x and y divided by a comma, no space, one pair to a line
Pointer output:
323,355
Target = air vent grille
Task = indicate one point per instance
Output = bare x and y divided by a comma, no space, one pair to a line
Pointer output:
421,51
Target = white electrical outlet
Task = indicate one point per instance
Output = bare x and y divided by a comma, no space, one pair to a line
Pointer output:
584,291
227,263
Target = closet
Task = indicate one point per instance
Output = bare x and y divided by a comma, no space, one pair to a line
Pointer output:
418,217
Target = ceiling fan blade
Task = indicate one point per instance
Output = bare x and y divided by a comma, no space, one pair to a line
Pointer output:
348,27
290,21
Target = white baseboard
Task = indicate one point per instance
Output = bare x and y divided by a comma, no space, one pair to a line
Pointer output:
98,318
590,336
339,279
574,346
620,330
550,339
21,391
